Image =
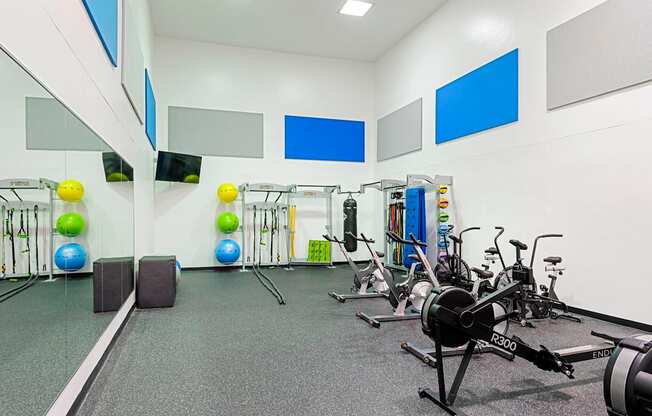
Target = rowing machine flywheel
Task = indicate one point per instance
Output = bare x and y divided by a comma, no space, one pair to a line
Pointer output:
455,299
628,378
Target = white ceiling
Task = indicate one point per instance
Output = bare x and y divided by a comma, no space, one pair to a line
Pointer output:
311,27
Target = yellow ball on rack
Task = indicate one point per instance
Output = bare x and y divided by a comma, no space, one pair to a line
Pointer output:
227,192
70,190
443,189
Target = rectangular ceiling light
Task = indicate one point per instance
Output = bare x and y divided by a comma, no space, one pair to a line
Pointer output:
356,8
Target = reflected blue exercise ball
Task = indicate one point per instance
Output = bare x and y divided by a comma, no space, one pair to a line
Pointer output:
70,257
227,251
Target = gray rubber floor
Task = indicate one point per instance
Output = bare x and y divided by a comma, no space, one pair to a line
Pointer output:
45,333
227,348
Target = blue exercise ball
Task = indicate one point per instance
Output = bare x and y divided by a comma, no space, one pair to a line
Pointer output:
70,257
227,251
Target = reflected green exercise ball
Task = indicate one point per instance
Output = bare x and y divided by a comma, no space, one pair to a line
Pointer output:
70,224
192,178
227,222
117,177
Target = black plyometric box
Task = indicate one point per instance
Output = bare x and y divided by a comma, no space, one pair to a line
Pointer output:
156,286
113,282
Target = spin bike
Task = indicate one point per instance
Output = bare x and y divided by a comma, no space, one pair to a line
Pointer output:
408,294
451,268
541,305
451,317
363,278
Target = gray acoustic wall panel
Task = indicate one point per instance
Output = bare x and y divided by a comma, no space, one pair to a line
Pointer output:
51,126
133,63
603,50
215,132
400,132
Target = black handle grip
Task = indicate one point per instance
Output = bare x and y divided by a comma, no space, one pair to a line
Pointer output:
362,238
332,239
395,237
608,337
417,242
549,236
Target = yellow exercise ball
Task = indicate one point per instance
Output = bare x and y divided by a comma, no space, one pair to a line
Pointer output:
443,189
70,190
227,192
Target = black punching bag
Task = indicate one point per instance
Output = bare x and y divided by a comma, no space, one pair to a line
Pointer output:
350,224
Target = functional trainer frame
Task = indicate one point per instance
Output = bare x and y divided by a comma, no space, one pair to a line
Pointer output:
14,186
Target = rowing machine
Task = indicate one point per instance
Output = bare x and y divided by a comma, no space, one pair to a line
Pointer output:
452,318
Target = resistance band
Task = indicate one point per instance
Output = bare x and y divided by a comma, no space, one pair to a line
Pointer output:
3,268
36,238
21,231
293,224
262,278
10,233
396,224
28,250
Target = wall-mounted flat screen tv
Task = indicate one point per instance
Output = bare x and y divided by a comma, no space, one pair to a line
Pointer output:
177,167
116,169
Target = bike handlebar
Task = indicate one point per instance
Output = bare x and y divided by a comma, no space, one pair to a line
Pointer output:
413,240
536,240
332,239
501,230
361,238
548,236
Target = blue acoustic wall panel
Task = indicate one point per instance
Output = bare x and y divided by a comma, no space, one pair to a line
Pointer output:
150,111
104,15
324,139
415,220
480,100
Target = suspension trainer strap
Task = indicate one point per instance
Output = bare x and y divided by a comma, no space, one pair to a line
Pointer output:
38,269
11,239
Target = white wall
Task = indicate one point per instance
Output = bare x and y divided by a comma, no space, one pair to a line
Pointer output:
582,170
60,47
205,75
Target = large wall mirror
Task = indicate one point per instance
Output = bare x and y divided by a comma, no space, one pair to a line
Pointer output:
66,255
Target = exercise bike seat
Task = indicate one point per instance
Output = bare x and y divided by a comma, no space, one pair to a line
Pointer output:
482,274
518,244
554,260
455,239
491,250
380,254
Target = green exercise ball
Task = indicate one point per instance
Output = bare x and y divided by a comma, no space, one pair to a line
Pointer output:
228,222
117,177
192,178
70,224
